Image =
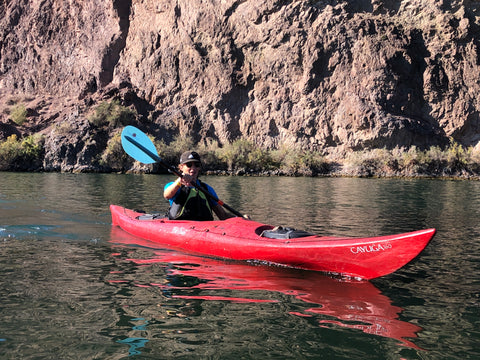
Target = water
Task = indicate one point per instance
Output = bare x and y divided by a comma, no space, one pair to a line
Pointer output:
73,287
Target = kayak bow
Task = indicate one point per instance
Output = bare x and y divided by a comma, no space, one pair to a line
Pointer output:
241,239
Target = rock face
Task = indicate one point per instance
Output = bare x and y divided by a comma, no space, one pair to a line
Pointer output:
330,76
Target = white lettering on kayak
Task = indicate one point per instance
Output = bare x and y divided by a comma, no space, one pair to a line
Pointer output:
179,230
370,248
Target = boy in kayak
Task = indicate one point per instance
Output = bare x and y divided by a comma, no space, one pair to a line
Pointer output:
187,202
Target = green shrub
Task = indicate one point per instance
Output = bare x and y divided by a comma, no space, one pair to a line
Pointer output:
410,158
112,114
260,159
313,162
244,156
32,147
10,151
453,160
435,153
236,154
298,161
171,153
20,154
209,151
19,114
456,154
287,159
114,156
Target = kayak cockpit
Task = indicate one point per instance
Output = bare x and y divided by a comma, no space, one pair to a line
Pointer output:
147,217
281,232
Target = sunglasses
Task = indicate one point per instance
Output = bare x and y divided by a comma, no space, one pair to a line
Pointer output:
190,164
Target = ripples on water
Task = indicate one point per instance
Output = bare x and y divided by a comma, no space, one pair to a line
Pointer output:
73,287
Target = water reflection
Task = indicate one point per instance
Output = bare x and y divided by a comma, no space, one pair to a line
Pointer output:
331,302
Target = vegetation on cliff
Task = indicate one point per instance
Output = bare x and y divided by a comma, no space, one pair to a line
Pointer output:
243,157
22,154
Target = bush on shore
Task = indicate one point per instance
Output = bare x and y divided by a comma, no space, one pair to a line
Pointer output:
21,154
113,157
455,160
243,157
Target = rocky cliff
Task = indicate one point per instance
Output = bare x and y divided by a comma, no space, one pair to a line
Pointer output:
329,76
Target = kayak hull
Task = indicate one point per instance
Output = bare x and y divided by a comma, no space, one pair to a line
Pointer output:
241,239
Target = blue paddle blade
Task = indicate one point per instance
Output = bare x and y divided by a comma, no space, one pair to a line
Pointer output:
138,145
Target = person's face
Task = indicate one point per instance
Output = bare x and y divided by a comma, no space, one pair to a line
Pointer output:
191,168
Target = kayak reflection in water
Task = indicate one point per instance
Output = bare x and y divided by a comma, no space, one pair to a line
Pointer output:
186,195
333,303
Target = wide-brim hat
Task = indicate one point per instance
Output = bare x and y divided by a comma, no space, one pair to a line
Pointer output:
189,156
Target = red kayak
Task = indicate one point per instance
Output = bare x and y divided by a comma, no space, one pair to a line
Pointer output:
241,239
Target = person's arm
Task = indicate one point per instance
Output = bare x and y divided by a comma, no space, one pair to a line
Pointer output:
221,213
170,191
218,209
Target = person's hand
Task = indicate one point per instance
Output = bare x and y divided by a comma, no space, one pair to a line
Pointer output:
187,179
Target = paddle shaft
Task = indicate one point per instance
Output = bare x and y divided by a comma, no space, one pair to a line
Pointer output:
179,174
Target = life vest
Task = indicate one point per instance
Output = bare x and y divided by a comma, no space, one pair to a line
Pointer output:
190,204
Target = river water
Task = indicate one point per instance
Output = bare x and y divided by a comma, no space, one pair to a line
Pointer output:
73,287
